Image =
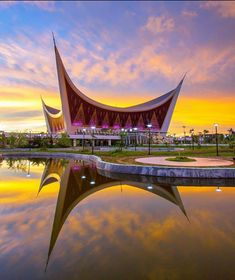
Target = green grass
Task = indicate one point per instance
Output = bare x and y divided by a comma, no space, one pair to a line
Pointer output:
128,157
181,159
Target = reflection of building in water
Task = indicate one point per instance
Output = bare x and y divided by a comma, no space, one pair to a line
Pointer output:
52,172
79,179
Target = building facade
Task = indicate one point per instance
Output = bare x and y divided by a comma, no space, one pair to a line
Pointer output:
79,111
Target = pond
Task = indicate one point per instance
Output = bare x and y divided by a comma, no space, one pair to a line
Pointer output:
63,219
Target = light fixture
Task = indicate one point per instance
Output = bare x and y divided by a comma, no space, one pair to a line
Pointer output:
218,189
83,177
149,125
149,187
92,127
92,182
135,128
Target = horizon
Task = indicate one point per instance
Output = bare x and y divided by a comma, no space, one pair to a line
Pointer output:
138,52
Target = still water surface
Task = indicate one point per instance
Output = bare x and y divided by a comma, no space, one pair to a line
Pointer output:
61,219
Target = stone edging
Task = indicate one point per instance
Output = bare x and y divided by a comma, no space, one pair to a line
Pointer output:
160,171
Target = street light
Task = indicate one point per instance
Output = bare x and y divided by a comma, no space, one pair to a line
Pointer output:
121,135
92,135
216,138
192,136
149,128
184,134
135,130
30,137
83,138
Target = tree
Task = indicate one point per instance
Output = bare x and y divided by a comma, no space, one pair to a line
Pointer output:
64,141
230,139
2,140
122,136
22,141
12,139
205,131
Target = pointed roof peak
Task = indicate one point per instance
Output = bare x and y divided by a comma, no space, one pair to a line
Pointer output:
53,37
182,80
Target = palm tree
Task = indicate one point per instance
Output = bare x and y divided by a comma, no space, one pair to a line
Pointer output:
230,131
205,131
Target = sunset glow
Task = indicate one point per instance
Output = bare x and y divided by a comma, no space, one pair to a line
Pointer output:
120,54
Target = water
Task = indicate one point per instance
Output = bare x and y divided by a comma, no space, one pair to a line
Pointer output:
61,219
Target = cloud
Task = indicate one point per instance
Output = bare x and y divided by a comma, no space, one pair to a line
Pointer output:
188,13
43,5
223,8
22,114
108,65
7,4
159,24
25,60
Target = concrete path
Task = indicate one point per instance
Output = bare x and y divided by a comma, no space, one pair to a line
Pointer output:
198,163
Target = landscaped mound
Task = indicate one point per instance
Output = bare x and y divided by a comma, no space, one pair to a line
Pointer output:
181,159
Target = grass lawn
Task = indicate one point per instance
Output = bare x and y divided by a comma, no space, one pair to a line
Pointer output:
128,157
181,159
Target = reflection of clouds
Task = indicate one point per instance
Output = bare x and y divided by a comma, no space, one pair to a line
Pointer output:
113,234
22,235
134,237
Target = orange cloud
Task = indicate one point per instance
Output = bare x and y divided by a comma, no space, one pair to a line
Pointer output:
188,13
224,8
159,24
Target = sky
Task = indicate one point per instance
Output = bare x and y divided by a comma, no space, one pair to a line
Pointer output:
121,54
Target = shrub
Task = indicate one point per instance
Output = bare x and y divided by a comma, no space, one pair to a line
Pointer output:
64,141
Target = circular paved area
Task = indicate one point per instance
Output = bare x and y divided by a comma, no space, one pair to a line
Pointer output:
199,161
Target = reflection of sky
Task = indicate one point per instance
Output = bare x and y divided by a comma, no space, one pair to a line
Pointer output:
114,234
111,49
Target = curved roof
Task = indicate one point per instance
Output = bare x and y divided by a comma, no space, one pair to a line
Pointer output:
52,112
149,105
54,118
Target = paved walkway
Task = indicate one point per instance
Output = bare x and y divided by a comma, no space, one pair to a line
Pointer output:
198,163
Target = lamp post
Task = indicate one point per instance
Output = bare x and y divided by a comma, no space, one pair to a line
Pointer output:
83,138
121,134
135,130
216,138
149,128
30,136
92,135
192,136
28,172
184,133
130,140
126,134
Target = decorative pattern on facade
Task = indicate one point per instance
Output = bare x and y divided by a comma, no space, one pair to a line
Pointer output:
80,111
